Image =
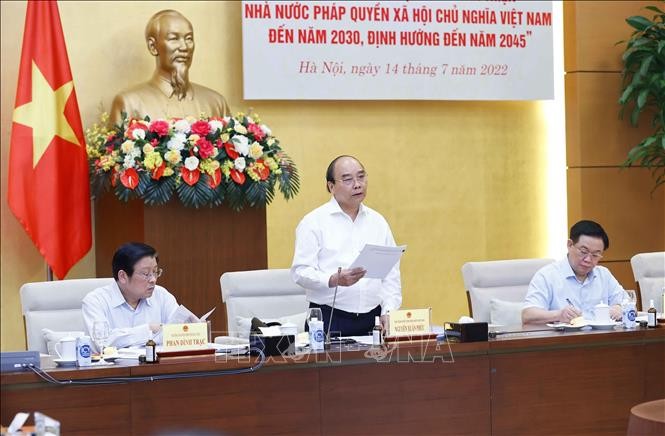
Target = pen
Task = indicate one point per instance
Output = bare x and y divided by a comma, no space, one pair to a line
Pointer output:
569,302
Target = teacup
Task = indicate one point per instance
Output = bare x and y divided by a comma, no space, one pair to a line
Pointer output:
602,313
65,348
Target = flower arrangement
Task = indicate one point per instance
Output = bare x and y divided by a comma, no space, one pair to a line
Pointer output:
206,161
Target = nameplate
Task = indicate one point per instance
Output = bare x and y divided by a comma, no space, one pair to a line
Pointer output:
410,322
184,336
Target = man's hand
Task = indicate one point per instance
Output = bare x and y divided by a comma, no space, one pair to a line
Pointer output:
615,312
568,312
346,277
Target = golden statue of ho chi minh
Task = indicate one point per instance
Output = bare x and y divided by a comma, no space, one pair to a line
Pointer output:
169,93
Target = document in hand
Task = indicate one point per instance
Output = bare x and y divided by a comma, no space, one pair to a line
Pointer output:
182,315
378,260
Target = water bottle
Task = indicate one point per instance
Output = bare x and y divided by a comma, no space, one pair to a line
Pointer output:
316,335
83,351
629,313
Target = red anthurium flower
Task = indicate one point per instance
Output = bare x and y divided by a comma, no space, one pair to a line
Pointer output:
215,179
190,177
158,172
231,151
129,178
237,176
262,169
135,125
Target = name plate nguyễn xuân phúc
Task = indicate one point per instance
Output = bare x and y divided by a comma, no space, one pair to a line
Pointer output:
410,322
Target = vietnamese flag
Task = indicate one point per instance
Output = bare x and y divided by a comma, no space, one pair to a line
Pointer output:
48,171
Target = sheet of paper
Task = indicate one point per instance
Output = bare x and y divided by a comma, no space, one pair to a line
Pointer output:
271,331
182,315
363,340
130,353
378,260
205,317
230,349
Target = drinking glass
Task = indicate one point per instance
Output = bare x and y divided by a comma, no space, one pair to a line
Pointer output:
100,334
314,313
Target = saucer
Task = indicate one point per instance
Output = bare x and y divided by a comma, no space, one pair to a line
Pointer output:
565,326
65,362
603,325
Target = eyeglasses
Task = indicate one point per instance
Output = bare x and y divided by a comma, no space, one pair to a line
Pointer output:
148,275
584,253
348,181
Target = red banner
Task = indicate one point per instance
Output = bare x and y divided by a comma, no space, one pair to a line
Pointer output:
48,171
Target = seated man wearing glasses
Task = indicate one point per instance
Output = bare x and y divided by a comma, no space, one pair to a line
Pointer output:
571,287
134,306
328,240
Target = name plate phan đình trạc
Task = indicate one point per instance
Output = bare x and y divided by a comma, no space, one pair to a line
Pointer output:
190,336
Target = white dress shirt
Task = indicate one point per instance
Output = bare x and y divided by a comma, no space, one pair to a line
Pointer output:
553,284
327,238
129,326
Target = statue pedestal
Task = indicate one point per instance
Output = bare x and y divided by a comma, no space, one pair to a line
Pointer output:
195,246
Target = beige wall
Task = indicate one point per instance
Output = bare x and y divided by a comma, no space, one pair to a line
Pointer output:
457,181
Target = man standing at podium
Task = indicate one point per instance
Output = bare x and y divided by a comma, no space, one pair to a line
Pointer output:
328,240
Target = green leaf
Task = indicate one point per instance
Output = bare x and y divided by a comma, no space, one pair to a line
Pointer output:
642,98
654,9
639,22
634,116
626,94
158,192
195,196
646,63
234,196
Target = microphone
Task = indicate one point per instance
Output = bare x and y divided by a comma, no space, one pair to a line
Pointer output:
326,344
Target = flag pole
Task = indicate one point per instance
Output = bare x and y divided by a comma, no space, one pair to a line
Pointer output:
49,273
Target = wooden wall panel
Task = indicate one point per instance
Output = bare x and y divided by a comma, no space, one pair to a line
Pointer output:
595,135
621,200
260,403
599,376
597,141
195,246
592,29
622,271
406,398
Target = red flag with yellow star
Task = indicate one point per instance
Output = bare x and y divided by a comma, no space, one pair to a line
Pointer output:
48,172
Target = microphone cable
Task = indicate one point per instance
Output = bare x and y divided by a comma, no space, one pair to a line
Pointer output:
123,380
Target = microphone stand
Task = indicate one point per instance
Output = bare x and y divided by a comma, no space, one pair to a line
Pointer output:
326,344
